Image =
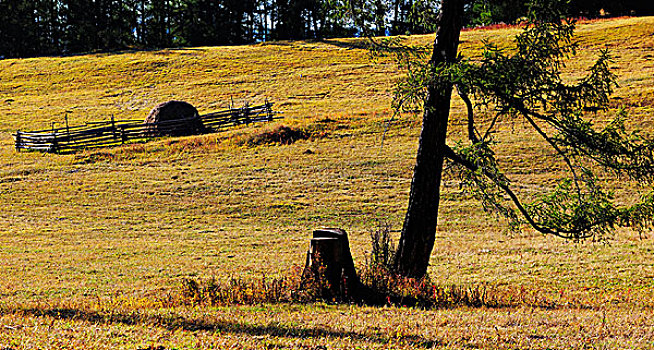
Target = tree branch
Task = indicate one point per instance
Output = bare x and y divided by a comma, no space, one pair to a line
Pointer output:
589,149
492,124
502,184
567,234
471,121
558,150
456,158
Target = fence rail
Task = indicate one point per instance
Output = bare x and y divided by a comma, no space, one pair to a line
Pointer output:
112,132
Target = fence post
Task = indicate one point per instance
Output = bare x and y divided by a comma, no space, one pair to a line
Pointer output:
233,116
67,127
53,145
18,141
123,137
246,112
269,115
113,127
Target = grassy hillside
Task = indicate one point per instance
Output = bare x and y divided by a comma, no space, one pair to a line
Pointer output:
90,242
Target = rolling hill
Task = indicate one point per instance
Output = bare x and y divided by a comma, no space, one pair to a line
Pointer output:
90,243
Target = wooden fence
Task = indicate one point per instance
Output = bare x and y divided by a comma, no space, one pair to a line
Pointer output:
117,132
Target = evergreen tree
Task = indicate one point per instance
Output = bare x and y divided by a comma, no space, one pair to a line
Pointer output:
526,84
19,28
289,23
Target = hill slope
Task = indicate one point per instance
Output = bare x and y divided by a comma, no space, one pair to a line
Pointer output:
116,225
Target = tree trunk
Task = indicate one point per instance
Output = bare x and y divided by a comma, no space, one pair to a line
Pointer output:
419,230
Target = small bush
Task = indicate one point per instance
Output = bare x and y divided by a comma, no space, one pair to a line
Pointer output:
94,157
283,135
379,276
239,291
382,253
286,135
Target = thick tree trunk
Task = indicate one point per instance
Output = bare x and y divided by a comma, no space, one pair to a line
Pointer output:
418,233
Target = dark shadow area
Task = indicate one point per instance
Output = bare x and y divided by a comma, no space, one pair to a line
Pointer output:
352,43
222,326
362,44
386,47
117,52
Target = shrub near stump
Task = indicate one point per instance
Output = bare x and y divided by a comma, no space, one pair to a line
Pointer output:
174,118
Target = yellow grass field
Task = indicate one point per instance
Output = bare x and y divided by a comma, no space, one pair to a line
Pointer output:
92,244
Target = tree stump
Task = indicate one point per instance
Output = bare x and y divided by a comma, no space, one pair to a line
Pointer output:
329,268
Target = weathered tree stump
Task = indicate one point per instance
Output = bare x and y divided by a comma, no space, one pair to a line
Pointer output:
329,268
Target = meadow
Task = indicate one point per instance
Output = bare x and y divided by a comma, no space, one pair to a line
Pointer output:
94,246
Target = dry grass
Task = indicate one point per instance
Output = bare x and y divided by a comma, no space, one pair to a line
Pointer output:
91,244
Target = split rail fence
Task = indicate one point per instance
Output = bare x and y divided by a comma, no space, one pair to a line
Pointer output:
112,132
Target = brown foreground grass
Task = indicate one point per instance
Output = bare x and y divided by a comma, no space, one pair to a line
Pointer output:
93,246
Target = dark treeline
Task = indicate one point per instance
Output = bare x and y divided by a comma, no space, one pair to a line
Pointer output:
55,27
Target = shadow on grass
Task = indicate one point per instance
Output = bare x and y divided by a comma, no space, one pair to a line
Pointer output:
223,326
346,43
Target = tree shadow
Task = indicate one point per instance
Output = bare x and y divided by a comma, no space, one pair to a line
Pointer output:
346,43
191,51
223,326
